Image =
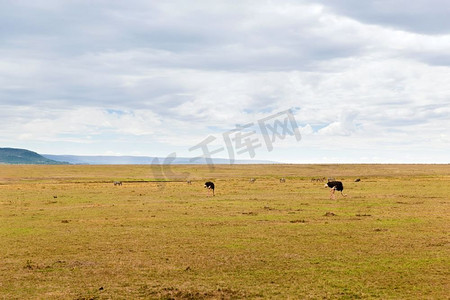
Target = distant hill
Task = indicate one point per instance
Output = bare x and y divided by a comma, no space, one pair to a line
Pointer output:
22,156
140,160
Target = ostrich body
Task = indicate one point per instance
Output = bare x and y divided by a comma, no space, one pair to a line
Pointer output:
210,186
335,186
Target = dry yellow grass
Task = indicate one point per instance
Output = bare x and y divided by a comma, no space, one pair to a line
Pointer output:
67,232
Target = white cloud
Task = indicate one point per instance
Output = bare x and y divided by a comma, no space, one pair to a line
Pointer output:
345,126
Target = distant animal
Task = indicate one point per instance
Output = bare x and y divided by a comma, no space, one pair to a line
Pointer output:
252,180
117,182
357,180
335,186
318,179
189,182
331,179
210,186
282,180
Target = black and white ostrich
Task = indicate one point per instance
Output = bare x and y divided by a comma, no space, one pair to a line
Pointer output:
210,186
335,186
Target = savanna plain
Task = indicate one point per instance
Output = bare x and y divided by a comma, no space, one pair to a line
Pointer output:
67,232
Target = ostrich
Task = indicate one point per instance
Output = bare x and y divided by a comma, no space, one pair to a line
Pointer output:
210,186
335,186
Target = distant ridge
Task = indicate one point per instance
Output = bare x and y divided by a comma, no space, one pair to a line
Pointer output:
23,156
141,160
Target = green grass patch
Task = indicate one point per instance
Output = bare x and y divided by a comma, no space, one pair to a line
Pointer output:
68,233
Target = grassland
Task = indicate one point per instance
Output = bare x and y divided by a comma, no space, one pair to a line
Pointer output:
67,233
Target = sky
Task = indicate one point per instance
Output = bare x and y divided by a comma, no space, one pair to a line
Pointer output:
364,81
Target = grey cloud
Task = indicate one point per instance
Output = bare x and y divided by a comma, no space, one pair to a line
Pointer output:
421,16
255,37
83,52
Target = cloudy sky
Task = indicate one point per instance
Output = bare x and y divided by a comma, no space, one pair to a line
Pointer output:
366,81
